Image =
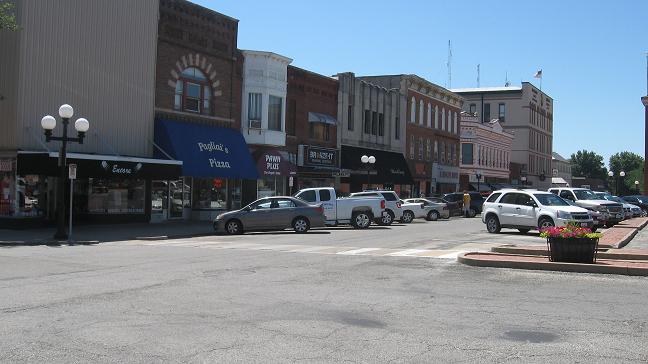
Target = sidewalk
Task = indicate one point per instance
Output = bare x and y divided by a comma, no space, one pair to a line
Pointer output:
612,259
89,234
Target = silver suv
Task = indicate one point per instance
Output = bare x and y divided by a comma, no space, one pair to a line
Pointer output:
612,211
393,208
530,210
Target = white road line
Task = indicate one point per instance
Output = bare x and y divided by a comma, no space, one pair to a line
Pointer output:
404,253
310,249
358,251
453,255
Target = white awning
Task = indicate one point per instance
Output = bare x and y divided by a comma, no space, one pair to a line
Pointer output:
559,181
316,117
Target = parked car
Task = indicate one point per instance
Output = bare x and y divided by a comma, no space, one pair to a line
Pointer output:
357,211
271,213
585,198
629,209
597,217
530,209
638,200
455,203
434,208
394,208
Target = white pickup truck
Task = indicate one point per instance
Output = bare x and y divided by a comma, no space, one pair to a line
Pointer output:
357,211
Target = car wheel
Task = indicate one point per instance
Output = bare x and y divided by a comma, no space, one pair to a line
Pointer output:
387,219
360,220
644,213
234,227
609,225
472,212
493,224
301,225
408,216
433,216
546,223
524,231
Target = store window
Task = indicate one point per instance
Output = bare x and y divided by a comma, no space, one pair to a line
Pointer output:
116,196
254,110
7,187
193,92
209,193
270,186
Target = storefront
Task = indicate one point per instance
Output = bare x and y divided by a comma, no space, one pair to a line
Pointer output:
216,165
445,179
316,166
421,172
108,188
389,172
276,169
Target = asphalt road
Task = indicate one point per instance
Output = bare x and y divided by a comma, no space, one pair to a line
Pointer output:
211,299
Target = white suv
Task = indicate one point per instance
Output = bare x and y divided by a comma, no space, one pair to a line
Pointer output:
529,210
394,209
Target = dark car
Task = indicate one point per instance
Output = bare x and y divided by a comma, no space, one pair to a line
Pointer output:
271,213
638,200
455,203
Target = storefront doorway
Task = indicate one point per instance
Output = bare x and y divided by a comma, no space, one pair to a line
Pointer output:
169,199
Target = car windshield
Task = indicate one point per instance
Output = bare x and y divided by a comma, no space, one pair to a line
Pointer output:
586,195
616,199
549,199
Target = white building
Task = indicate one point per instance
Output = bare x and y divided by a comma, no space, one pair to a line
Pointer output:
561,174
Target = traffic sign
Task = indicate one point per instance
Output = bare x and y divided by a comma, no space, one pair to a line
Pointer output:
72,171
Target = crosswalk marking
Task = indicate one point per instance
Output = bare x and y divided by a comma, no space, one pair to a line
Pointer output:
315,249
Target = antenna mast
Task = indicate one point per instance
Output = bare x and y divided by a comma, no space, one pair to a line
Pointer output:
478,76
449,64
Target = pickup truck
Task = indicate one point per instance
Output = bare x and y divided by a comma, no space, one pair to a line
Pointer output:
612,212
357,211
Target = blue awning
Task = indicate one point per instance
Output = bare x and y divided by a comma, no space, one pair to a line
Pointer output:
205,151
316,117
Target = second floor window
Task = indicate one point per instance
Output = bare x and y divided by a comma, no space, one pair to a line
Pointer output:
254,110
192,92
473,108
486,116
320,131
275,106
502,112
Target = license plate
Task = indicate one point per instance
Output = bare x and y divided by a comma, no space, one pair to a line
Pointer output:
619,216
584,224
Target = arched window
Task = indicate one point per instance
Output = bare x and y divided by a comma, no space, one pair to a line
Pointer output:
443,119
456,126
421,112
193,92
436,117
413,111
429,115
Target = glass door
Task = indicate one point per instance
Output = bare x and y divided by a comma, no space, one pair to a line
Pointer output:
176,197
160,199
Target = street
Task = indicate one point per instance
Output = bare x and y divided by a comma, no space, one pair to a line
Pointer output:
319,297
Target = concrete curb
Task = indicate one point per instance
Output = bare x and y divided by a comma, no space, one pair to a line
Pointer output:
469,259
521,250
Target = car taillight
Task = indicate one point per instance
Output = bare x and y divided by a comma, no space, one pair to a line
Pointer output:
398,205
382,204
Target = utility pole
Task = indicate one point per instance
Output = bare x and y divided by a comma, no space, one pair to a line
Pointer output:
449,64
478,85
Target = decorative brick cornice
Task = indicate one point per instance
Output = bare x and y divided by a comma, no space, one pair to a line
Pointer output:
645,101
200,62
434,91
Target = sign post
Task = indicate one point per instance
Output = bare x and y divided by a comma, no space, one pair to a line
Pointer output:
291,182
72,174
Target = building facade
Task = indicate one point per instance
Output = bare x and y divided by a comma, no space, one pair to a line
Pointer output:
525,111
561,174
45,65
311,128
264,122
198,90
371,123
485,153
431,132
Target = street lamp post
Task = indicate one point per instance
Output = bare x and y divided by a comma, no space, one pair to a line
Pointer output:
478,176
523,179
620,190
48,123
368,162
611,174
637,186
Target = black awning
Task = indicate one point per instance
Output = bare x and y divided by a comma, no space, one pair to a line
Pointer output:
390,167
99,166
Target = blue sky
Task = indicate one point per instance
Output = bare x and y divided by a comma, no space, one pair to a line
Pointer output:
592,52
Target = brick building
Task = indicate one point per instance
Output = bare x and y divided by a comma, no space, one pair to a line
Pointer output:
311,127
432,132
198,92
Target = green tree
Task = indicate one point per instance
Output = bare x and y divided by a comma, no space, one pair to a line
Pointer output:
7,16
588,164
630,163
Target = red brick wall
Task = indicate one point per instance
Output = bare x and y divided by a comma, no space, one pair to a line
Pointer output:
309,92
186,30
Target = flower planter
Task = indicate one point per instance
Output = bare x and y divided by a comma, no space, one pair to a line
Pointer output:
572,250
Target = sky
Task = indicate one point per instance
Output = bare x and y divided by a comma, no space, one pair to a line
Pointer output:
592,53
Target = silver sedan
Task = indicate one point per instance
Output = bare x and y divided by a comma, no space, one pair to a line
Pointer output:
271,213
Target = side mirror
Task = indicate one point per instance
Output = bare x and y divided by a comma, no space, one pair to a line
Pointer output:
247,208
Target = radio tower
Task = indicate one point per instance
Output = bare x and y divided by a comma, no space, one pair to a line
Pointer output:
449,64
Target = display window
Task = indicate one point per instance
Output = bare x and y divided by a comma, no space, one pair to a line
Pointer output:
7,193
31,196
210,193
114,196
270,186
